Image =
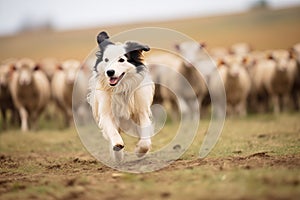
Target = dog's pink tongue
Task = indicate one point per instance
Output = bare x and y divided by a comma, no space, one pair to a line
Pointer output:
113,80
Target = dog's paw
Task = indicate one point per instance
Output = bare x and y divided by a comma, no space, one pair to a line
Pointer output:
142,147
118,147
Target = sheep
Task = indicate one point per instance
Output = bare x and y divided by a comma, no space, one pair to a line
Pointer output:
241,48
218,52
275,76
62,87
172,73
30,88
195,54
81,107
237,84
296,48
170,86
6,102
283,79
199,69
49,66
296,86
258,98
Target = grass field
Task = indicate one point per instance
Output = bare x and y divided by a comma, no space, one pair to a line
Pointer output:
257,157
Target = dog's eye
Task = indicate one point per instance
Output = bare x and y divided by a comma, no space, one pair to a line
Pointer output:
121,60
106,60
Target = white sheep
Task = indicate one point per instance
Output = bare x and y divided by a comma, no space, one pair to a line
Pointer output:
258,98
241,48
296,85
49,66
237,84
274,76
218,52
6,102
173,75
62,87
30,91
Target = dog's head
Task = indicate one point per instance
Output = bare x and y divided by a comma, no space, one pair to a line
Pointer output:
115,61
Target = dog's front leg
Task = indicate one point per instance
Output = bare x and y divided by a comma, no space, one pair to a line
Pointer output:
145,133
110,131
108,125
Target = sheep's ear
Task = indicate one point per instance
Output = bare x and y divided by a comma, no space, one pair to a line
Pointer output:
135,46
292,53
59,67
202,44
37,67
101,37
221,63
12,67
270,56
245,60
177,47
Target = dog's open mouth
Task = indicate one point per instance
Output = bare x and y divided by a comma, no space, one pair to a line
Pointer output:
115,80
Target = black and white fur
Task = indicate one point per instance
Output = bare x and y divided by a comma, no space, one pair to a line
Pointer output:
121,93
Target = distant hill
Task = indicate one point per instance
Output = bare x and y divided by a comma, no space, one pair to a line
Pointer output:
263,28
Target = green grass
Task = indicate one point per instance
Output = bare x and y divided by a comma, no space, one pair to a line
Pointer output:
257,157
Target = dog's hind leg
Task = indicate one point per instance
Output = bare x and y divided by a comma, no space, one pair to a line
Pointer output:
145,133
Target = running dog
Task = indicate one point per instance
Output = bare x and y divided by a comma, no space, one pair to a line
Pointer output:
121,93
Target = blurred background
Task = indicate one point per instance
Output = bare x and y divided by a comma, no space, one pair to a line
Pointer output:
65,29
59,35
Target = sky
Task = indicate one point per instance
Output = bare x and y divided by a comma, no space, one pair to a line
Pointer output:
76,14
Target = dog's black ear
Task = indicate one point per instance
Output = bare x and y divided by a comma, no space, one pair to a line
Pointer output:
135,46
134,53
103,42
101,37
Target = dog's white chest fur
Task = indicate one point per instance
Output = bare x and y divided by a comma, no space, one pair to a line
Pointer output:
122,105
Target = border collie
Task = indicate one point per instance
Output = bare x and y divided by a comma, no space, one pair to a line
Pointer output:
121,93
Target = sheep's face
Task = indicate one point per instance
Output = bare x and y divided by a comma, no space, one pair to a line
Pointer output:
70,68
282,58
118,61
234,70
282,65
192,52
25,69
233,64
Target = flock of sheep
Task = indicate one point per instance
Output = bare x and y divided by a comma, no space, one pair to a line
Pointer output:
255,81
28,87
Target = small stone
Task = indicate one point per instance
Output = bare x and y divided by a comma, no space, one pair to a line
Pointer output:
117,175
177,147
165,194
237,152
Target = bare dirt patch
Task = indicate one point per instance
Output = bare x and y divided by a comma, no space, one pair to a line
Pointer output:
74,177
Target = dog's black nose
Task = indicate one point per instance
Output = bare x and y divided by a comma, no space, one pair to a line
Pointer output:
110,73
